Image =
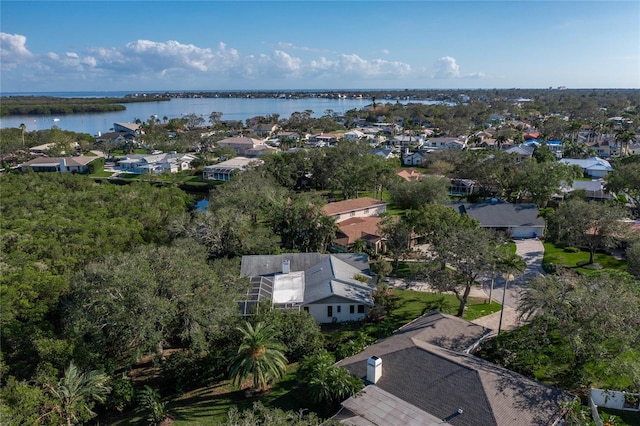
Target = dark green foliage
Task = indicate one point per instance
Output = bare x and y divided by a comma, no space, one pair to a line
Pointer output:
149,402
46,105
325,383
415,194
297,330
259,415
131,304
52,225
584,331
259,355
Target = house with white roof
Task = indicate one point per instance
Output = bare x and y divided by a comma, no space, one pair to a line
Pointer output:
224,170
155,163
331,287
594,167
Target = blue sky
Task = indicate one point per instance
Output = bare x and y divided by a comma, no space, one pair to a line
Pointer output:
224,45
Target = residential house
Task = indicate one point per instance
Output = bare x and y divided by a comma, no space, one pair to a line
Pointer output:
354,135
445,142
242,145
359,228
118,137
424,375
44,148
357,207
517,220
131,128
224,170
594,167
155,163
79,164
264,129
410,175
386,153
593,189
416,158
407,141
522,151
325,139
462,187
331,287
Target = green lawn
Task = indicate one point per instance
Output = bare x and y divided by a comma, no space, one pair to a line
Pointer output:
210,405
101,174
559,256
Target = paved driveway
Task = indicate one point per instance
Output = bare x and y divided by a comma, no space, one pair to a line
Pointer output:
531,250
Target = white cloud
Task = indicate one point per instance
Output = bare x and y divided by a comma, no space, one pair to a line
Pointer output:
354,65
13,50
148,60
447,67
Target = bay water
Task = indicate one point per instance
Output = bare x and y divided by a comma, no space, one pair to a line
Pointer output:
232,108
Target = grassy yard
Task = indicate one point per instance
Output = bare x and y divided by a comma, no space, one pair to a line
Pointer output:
210,405
101,174
559,256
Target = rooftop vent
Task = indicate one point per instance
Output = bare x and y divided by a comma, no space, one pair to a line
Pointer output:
374,369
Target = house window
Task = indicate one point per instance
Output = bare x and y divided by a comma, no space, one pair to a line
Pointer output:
366,211
352,214
329,311
339,308
361,309
352,309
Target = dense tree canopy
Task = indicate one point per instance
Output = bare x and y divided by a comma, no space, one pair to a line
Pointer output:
135,303
52,225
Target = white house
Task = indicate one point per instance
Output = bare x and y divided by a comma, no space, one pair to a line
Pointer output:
156,163
594,167
357,207
331,287
226,169
78,164
354,135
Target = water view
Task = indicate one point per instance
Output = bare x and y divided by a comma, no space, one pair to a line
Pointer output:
231,108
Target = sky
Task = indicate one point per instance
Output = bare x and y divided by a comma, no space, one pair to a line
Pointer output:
285,45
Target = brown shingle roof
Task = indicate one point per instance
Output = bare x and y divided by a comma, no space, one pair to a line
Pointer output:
351,205
359,227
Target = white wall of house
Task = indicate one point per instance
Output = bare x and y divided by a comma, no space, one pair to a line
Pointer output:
527,231
367,212
340,311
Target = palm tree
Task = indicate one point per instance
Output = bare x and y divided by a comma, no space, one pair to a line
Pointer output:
23,127
509,264
623,137
76,392
260,355
326,383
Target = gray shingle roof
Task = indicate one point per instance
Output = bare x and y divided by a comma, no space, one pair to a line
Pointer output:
325,275
439,381
499,214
